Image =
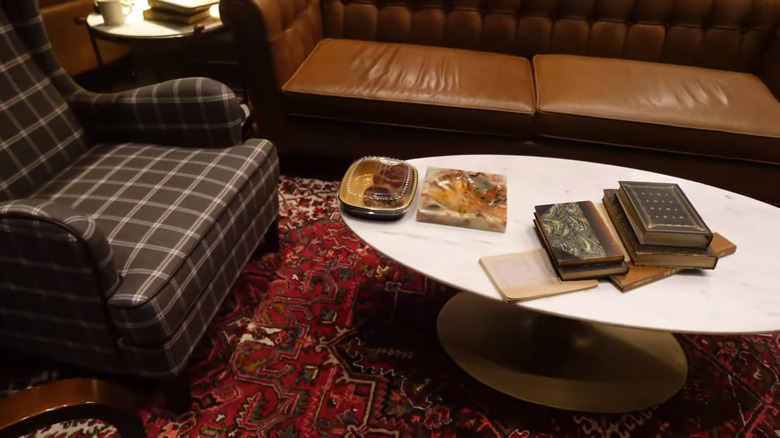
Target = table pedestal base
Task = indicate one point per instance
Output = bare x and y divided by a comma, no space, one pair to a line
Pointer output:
559,362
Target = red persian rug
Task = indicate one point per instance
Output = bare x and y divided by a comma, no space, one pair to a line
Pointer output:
330,339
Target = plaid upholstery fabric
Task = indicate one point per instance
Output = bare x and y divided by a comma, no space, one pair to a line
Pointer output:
170,358
170,218
42,247
177,224
195,112
40,134
28,24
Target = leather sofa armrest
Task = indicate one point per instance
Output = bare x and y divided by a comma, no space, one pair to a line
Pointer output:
769,68
274,36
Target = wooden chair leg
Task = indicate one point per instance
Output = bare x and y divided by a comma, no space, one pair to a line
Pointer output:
272,237
70,399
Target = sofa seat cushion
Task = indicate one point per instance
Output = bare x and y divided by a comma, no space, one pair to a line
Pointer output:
660,106
411,85
172,217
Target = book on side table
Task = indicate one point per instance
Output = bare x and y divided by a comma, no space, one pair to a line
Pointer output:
175,17
183,6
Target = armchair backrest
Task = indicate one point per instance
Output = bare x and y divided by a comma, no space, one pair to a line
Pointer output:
722,34
39,134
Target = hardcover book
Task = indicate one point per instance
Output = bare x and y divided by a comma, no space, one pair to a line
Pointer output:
642,275
661,214
582,271
464,199
527,275
654,255
576,234
183,6
175,17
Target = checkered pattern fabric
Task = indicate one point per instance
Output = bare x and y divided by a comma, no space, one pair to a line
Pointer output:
189,112
170,216
116,256
40,134
46,245
235,237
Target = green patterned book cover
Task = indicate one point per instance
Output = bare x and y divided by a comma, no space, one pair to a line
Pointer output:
576,234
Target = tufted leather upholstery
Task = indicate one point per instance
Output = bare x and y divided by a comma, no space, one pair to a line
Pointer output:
722,34
413,85
677,108
301,98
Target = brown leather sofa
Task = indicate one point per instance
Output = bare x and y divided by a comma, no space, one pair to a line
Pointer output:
684,87
70,41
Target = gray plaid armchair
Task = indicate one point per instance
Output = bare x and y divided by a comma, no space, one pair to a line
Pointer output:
124,218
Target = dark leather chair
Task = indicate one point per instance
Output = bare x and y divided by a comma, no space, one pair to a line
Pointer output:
124,218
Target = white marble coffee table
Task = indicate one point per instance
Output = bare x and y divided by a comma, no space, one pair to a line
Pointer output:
597,350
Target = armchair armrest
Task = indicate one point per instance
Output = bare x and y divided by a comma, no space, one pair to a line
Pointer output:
191,112
45,246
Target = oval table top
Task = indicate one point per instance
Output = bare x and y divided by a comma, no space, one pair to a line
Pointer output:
741,295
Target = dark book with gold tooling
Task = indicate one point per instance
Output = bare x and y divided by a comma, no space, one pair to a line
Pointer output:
654,255
661,214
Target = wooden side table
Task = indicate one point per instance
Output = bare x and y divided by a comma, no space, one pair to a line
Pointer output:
153,37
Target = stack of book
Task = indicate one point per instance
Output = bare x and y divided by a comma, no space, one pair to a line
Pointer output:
661,232
578,241
179,11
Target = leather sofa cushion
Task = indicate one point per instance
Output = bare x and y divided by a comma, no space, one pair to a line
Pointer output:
411,85
660,106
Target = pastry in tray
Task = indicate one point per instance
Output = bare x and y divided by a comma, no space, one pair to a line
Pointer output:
378,188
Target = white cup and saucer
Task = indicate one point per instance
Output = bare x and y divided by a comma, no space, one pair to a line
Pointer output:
114,12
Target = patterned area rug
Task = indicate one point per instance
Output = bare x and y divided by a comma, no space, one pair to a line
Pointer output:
330,339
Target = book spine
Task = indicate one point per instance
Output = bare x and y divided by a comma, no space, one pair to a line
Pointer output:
625,287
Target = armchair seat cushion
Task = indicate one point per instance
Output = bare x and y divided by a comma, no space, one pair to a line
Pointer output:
172,217
413,85
660,106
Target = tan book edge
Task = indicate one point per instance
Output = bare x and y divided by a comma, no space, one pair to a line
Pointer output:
636,275
641,275
655,255
528,275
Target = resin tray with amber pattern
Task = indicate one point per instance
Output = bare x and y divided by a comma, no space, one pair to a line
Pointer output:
464,199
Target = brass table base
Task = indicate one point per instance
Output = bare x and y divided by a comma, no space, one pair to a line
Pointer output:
559,362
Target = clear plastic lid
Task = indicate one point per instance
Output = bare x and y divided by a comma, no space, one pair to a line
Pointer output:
378,184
